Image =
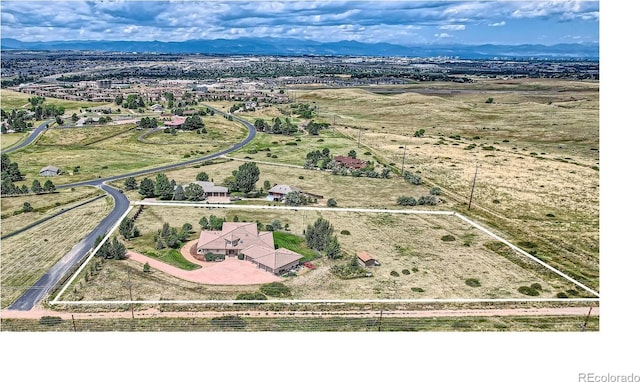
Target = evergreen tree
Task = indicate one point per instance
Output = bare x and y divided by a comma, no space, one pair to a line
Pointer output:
36,188
163,188
147,188
49,186
130,184
179,193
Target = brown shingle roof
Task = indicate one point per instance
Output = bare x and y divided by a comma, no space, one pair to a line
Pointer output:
365,256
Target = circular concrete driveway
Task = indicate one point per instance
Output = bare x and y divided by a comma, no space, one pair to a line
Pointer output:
231,271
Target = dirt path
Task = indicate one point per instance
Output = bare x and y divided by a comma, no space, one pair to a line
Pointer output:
37,313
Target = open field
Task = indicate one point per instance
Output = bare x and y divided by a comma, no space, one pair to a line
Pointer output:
308,324
43,205
536,147
17,100
220,133
29,255
409,245
109,150
11,139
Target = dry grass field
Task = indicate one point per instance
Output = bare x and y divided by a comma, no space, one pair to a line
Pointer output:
16,100
113,150
43,206
8,140
410,245
29,255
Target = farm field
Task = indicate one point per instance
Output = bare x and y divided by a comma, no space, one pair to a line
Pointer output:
410,246
29,255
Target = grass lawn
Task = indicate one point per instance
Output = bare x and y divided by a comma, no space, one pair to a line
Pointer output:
29,255
16,100
294,243
172,257
8,140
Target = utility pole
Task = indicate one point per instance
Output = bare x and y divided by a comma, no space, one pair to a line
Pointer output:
359,132
129,284
74,323
404,152
473,186
380,321
583,326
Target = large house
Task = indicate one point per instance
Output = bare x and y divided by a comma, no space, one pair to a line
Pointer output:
349,162
279,191
244,239
176,122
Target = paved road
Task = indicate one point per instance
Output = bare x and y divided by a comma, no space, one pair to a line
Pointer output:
43,286
34,134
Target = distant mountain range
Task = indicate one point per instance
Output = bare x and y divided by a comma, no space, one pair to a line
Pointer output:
294,47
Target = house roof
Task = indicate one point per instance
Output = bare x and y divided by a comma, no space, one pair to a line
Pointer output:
235,236
283,189
176,121
50,168
209,187
365,256
272,258
350,162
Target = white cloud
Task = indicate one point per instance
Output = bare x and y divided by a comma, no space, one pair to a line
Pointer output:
500,24
443,35
455,27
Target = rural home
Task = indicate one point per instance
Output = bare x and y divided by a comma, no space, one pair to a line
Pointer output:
175,122
211,190
349,162
279,191
49,171
365,260
243,238
157,108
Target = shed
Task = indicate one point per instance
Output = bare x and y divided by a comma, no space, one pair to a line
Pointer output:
366,260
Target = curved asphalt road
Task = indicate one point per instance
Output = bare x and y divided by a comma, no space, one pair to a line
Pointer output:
42,287
32,137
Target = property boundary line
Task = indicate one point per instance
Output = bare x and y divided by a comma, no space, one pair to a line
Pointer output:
106,237
296,208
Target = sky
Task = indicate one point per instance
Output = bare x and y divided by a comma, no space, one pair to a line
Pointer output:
409,23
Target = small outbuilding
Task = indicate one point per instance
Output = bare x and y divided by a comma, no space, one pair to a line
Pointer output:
366,260
49,171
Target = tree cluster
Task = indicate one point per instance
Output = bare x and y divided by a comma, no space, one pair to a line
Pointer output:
148,123
320,237
193,122
277,127
314,128
429,200
128,230
171,237
16,120
133,101
212,223
113,249
244,179
412,178
318,159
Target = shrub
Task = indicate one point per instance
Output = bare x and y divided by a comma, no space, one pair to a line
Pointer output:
276,289
414,270
405,272
253,151
488,148
407,201
472,282
228,322
562,295
435,191
536,286
415,289
489,100
345,232
496,201
528,291
331,202
146,267
241,256
448,238
301,177
551,215
274,156
50,320
572,292
291,144
394,273
251,296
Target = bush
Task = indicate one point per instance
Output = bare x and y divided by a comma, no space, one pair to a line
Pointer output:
415,289
407,201
448,238
301,177
228,322
331,202
251,296
528,291
50,320
291,144
240,256
405,272
276,289
536,286
253,151
472,282
345,232
146,268
394,273
562,295
414,270
435,191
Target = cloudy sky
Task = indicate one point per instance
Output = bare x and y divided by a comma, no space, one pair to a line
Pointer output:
401,22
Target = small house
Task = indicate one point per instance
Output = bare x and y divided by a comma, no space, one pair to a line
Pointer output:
349,162
49,171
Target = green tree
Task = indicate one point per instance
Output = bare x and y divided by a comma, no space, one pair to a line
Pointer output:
277,226
352,154
130,184
295,198
333,248
127,229
179,193
331,202
202,177
26,207
246,177
36,188
163,188
118,251
147,188
204,223
49,186
146,268
194,192
319,234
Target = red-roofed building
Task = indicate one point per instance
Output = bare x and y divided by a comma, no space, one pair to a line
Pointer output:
365,259
175,122
349,162
243,238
